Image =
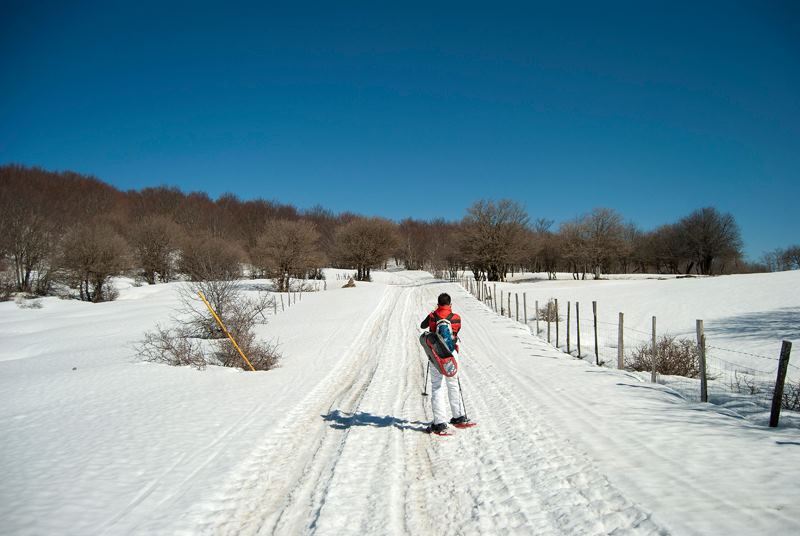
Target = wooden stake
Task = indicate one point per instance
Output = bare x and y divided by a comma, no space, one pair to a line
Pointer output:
701,350
578,326
620,344
557,322
516,305
225,330
777,398
568,315
596,352
655,353
549,307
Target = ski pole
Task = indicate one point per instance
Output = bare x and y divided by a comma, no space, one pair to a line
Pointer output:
463,406
425,387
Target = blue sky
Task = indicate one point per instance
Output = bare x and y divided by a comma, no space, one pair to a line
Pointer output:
419,109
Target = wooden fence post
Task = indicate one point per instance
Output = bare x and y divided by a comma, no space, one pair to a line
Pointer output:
701,350
549,309
494,297
502,304
525,306
509,304
283,308
578,326
568,315
536,305
516,305
621,343
275,305
777,397
655,353
596,352
556,323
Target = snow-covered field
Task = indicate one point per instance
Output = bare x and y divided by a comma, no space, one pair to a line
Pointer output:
93,441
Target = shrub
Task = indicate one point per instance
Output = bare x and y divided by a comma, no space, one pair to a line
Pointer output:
548,312
262,355
743,382
189,344
791,396
171,347
238,312
675,357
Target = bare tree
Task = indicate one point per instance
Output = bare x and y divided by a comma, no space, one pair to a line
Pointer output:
604,234
205,257
791,257
287,249
27,235
365,244
91,255
710,235
494,237
573,248
154,241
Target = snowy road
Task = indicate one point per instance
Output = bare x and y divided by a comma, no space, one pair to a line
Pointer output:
332,441
352,458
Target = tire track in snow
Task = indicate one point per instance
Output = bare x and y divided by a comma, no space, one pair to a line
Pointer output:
521,476
579,497
255,495
307,464
367,468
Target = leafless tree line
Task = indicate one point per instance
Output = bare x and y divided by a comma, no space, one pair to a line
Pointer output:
782,259
74,230
70,229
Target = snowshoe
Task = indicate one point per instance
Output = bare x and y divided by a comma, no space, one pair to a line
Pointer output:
462,422
438,429
439,354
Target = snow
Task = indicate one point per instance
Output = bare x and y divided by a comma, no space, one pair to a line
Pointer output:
94,441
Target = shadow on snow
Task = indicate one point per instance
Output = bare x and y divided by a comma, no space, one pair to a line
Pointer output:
775,324
341,420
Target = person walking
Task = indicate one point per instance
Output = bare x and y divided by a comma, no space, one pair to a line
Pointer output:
448,324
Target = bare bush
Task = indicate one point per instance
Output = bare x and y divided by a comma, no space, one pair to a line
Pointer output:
262,355
171,347
674,357
548,312
7,284
746,384
791,396
237,311
189,345
24,302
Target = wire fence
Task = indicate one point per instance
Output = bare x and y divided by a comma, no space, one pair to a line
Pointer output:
736,378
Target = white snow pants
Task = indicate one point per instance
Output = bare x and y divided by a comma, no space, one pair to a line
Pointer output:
438,394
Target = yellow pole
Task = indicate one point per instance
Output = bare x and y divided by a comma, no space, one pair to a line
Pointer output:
226,331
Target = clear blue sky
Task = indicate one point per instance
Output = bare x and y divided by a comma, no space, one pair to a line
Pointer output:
418,109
